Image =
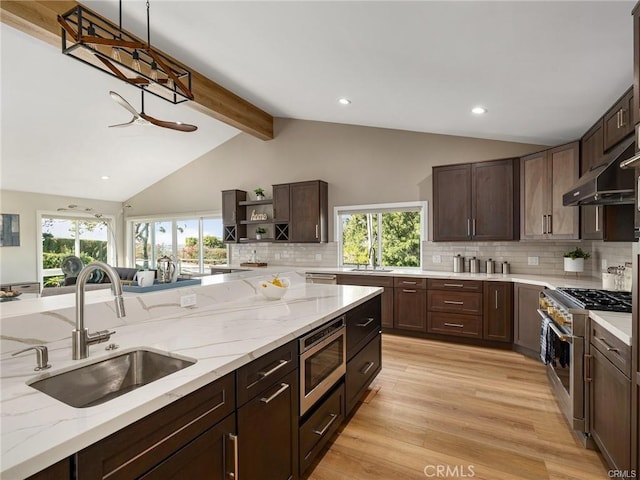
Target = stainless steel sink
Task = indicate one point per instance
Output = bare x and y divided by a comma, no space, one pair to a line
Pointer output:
371,270
102,381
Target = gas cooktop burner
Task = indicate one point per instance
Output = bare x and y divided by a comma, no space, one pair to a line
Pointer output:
606,300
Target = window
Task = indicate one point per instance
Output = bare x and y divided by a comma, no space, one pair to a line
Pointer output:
196,243
387,235
87,238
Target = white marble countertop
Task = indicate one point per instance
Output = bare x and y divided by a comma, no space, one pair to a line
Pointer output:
38,431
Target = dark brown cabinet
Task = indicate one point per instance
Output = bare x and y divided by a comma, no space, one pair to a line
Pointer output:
308,213
526,321
619,121
455,307
57,471
544,177
233,215
150,442
281,203
497,319
410,304
476,201
610,397
591,150
375,281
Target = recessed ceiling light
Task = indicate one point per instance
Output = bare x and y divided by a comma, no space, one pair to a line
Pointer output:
104,177
479,110
344,101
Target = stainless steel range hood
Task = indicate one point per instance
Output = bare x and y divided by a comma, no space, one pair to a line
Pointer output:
606,183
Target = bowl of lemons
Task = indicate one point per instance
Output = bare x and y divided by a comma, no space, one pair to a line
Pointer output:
275,288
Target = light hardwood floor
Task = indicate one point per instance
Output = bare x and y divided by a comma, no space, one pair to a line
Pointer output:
471,412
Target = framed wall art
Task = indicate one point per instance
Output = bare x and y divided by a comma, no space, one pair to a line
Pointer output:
9,230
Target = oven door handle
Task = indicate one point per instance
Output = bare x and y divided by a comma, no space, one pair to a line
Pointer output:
563,337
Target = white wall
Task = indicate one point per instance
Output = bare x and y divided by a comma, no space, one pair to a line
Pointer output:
361,164
19,264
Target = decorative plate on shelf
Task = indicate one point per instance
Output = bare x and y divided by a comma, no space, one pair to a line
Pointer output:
71,266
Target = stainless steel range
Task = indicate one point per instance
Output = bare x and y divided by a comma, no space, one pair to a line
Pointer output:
591,299
563,346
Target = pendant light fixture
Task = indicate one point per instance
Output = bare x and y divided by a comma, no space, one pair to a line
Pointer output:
96,41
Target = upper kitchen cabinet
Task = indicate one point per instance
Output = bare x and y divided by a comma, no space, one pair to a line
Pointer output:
591,149
308,211
476,201
545,177
618,121
233,214
636,62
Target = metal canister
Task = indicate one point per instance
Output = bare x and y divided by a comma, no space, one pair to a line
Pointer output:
458,264
489,265
474,265
505,268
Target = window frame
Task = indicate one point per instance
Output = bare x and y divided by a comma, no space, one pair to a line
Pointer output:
111,237
200,217
379,209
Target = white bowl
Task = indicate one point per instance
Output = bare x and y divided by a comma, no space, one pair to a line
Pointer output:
273,292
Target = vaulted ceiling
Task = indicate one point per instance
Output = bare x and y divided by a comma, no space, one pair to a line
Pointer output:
545,71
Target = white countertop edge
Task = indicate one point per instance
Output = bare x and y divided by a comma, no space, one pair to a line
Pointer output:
28,460
614,323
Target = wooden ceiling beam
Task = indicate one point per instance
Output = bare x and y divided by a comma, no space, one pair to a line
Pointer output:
38,18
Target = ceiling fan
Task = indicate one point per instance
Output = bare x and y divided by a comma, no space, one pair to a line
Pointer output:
141,118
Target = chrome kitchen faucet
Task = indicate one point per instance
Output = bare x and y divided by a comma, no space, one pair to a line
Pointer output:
80,336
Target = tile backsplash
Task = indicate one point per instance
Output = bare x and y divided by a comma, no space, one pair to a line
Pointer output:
548,254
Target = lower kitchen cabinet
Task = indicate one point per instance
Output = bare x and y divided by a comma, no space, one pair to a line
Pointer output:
268,432
497,320
361,370
375,281
455,308
610,397
410,304
166,439
320,425
526,321
57,471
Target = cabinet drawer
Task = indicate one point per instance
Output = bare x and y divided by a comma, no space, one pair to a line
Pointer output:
612,348
366,280
454,302
141,446
253,378
363,323
316,431
453,324
464,285
410,282
361,370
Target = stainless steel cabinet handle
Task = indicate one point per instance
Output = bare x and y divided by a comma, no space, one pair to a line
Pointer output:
457,325
597,218
406,282
322,431
607,346
457,285
473,228
587,368
618,119
544,224
549,224
468,227
367,368
234,440
283,387
316,230
369,320
496,299
281,363
405,290
623,122
453,302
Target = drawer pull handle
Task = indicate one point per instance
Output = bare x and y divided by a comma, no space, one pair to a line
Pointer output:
327,426
607,346
457,325
453,302
283,387
405,282
281,363
369,320
457,285
234,440
367,368
408,291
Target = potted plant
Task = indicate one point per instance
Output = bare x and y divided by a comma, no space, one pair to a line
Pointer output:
259,193
259,232
574,260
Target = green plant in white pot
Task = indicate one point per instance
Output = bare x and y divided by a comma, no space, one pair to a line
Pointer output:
574,260
259,232
259,193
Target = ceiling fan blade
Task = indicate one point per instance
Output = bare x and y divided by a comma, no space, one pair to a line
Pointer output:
182,127
131,122
124,104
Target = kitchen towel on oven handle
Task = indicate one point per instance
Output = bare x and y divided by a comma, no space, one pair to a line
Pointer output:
547,353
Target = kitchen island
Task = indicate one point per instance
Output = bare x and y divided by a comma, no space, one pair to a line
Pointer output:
231,326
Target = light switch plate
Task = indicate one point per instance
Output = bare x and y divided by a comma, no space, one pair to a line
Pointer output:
533,260
603,264
318,256
436,258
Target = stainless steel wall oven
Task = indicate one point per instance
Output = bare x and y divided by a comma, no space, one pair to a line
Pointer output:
323,361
